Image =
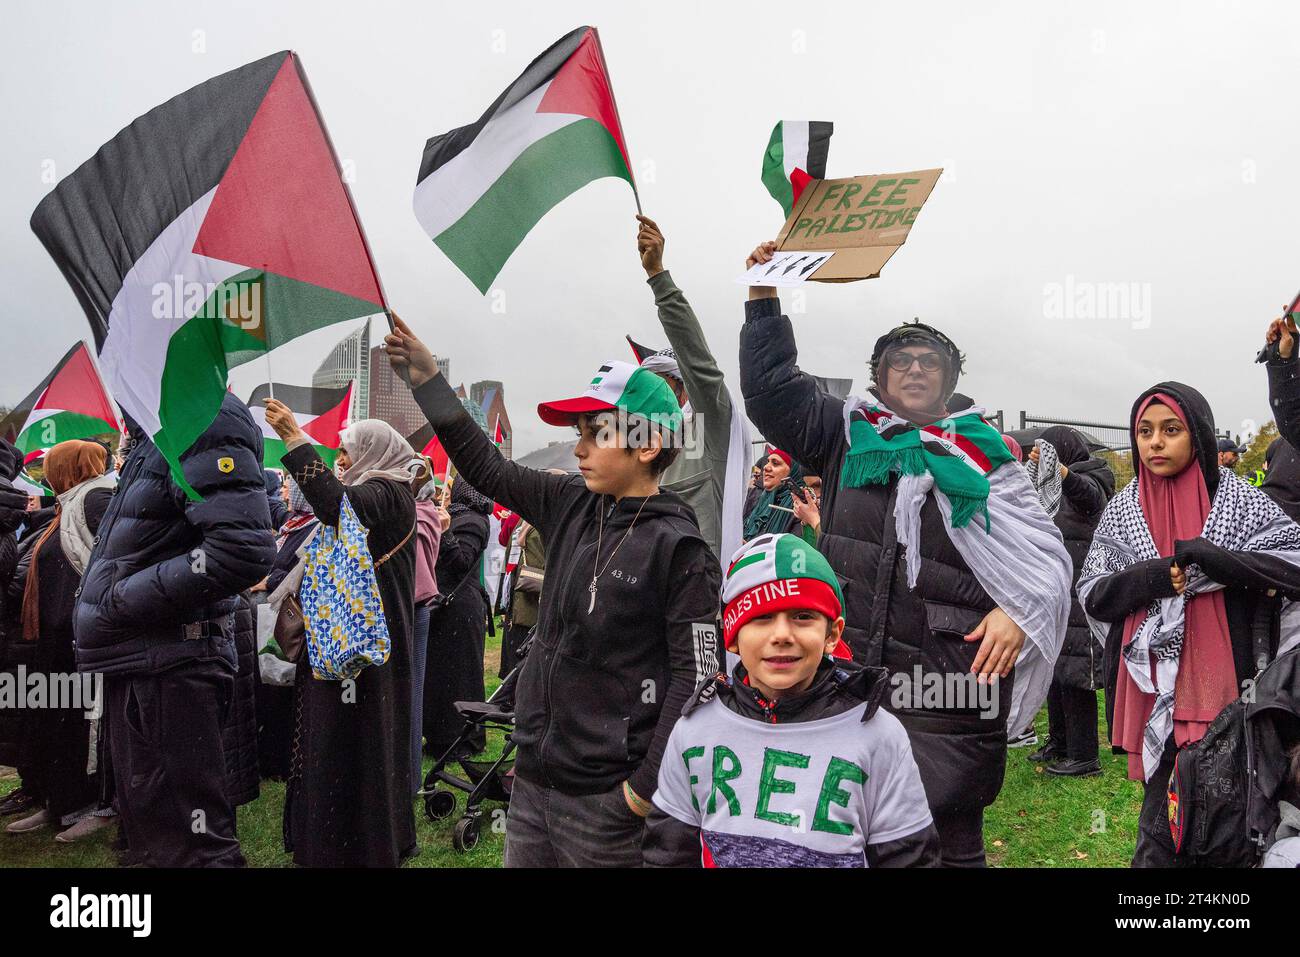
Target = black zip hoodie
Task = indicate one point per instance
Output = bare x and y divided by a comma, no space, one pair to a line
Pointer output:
838,686
602,685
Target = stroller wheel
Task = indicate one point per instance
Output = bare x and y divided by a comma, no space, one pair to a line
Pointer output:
465,837
439,805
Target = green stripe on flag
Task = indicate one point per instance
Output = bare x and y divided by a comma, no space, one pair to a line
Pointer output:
273,451
774,178
557,165
61,427
260,311
747,560
193,386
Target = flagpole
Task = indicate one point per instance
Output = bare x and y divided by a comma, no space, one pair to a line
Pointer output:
600,50
270,379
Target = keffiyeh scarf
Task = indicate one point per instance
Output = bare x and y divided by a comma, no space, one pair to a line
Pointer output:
1241,518
1045,474
958,452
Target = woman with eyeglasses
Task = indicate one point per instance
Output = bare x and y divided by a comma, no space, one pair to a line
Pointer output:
953,576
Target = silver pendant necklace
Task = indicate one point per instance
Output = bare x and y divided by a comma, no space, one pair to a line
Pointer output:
597,571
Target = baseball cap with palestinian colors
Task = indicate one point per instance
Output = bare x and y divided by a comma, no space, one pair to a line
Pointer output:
619,386
772,573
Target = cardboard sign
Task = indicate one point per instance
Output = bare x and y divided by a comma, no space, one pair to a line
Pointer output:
863,220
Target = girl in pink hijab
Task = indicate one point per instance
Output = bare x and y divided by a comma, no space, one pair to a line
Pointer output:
1187,563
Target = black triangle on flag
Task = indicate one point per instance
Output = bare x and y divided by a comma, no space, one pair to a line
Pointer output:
420,437
13,423
641,352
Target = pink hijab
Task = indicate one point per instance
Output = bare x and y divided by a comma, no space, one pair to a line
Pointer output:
1175,509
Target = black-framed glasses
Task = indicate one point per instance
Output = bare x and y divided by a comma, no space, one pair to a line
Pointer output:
902,361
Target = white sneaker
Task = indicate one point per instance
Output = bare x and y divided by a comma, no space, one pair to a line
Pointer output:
33,822
88,825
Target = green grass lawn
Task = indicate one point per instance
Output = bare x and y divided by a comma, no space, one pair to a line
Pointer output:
1038,820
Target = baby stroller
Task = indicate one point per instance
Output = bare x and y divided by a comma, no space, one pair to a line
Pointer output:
484,780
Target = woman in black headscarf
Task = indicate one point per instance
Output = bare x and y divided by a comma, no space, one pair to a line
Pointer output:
458,622
1074,488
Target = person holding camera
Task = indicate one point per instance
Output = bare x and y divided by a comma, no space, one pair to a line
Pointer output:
772,510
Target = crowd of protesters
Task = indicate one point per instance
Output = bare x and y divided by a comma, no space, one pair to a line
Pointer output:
715,661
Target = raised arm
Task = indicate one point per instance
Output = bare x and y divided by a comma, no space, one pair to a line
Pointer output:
1284,379
536,495
705,384
787,405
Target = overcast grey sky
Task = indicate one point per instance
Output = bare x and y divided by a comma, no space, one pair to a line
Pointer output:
1085,144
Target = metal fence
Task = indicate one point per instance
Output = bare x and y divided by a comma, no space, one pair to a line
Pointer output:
1113,437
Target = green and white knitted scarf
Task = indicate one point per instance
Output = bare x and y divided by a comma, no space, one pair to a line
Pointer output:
959,452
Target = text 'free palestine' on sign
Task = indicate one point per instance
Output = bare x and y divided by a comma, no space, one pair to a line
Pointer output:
863,220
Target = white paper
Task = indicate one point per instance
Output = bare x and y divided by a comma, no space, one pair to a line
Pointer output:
790,268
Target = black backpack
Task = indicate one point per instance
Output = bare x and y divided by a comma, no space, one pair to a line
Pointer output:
1210,787
1208,792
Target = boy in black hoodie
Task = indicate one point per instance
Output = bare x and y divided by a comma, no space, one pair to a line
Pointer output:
628,621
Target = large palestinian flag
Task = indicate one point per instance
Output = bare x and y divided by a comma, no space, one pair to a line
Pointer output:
322,414
796,155
70,403
211,230
482,187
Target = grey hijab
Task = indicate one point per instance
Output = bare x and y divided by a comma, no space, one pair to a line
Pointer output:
377,451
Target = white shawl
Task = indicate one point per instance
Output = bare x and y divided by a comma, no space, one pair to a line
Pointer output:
1020,561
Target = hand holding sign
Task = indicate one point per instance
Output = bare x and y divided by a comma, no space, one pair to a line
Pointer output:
762,254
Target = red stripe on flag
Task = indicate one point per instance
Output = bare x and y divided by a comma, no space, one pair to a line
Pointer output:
438,454
76,387
282,206
581,87
798,180
972,450
325,428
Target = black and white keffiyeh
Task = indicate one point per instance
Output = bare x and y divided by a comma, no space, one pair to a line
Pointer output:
1241,518
1045,474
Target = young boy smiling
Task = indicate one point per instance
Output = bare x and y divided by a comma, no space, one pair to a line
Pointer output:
789,762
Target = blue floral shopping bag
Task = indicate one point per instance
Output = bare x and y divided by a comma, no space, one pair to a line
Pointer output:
341,608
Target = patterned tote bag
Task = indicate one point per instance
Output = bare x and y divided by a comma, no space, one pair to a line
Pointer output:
341,607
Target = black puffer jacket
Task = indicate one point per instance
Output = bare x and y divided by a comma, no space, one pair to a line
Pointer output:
961,754
239,732
13,509
1085,490
163,580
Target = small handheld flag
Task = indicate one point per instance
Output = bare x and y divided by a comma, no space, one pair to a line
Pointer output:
795,155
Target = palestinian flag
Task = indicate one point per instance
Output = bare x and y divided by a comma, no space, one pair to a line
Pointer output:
321,413
424,439
499,433
211,230
482,187
70,403
642,352
795,154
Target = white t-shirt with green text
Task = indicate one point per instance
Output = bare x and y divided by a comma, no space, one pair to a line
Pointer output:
811,793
